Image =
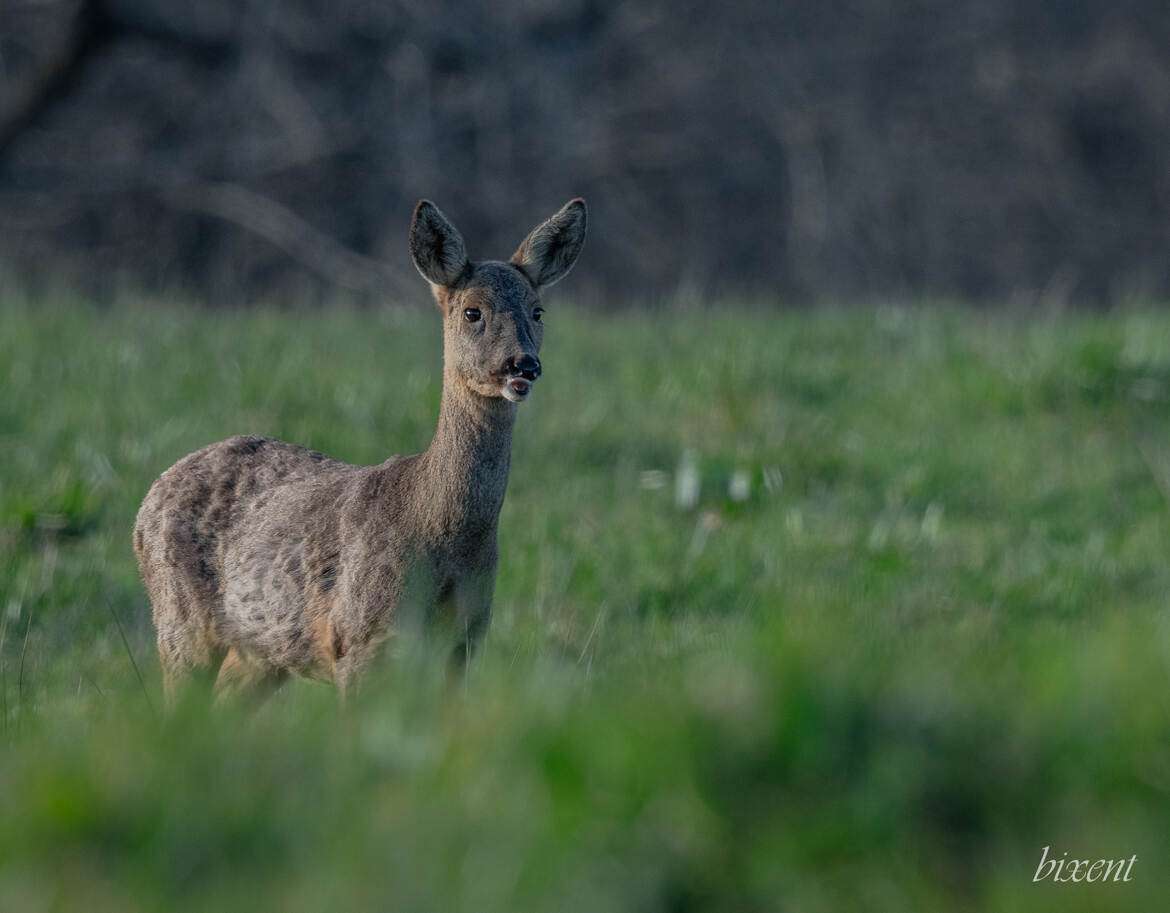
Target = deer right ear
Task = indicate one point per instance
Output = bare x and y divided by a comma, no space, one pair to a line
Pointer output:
436,247
551,249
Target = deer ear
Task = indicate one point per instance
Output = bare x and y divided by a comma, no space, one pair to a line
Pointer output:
551,249
436,247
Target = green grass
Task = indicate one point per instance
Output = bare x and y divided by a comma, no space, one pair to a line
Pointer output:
932,640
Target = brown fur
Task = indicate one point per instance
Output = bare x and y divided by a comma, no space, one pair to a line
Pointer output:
262,558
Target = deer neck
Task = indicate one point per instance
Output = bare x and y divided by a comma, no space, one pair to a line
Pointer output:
465,469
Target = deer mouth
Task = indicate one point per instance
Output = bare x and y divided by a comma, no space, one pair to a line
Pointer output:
517,388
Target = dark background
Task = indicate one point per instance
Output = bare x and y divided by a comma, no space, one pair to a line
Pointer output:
991,150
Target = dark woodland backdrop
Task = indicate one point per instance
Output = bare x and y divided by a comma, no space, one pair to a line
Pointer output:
846,148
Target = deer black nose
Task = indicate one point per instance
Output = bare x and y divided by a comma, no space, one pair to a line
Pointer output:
525,366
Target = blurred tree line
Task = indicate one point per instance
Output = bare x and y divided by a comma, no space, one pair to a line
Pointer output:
981,149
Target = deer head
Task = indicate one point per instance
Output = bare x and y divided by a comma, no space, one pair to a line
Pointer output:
492,326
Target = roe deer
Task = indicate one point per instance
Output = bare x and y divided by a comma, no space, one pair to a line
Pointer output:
262,558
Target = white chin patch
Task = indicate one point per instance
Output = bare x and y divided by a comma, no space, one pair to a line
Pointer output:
516,389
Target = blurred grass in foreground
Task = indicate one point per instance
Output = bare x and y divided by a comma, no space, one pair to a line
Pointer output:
930,641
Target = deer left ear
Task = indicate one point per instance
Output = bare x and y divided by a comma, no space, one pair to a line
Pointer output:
551,249
436,247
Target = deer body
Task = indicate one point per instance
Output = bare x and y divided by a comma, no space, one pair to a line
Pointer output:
262,558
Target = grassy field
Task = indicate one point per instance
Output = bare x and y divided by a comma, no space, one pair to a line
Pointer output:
930,641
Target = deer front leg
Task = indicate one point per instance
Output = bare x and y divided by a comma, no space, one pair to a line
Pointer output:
473,614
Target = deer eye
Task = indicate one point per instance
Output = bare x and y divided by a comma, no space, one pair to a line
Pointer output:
471,315
537,314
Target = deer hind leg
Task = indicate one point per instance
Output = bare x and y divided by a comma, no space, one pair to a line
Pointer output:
178,678
187,656
243,679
